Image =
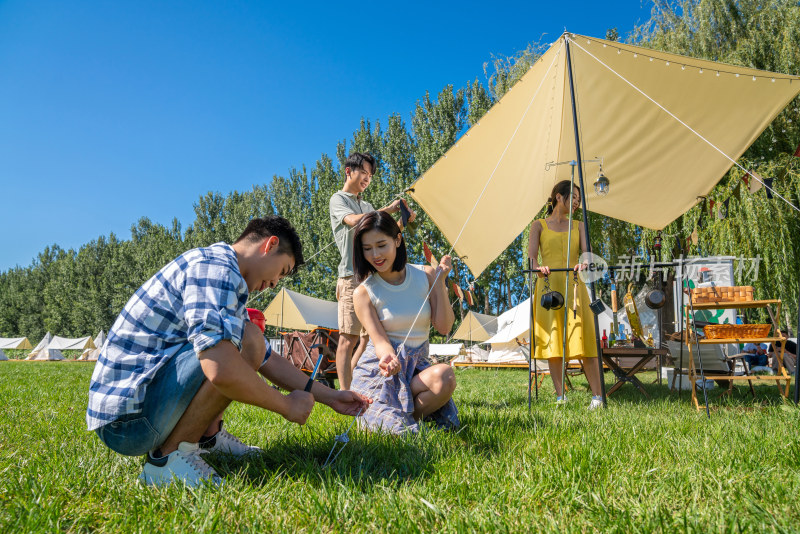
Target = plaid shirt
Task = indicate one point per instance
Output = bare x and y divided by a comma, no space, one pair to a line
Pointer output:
198,298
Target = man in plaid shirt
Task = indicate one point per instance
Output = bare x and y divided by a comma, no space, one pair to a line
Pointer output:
183,348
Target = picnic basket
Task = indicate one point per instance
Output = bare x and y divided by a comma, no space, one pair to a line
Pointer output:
717,294
736,331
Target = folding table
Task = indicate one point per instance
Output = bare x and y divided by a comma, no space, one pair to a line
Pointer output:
644,354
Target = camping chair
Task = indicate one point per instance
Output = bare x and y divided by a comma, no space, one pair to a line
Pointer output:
715,361
304,349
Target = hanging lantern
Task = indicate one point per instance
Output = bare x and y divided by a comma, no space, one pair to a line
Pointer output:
601,185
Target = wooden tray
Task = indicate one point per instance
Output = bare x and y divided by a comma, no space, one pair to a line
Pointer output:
702,295
736,331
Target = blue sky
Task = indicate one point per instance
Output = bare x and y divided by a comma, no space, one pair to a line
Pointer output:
115,110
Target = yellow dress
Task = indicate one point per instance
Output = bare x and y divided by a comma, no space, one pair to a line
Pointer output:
549,324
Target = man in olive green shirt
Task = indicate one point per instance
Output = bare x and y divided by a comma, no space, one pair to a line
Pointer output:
346,209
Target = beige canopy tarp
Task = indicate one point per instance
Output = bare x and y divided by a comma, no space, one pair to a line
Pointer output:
294,311
666,126
476,327
15,343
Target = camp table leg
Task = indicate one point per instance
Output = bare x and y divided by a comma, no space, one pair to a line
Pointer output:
630,376
618,373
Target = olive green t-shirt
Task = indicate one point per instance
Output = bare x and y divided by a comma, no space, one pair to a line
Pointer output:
343,204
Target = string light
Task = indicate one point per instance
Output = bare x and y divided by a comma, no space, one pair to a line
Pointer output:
700,70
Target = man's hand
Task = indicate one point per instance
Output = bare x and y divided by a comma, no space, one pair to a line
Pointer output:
445,266
394,207
298,406
349,402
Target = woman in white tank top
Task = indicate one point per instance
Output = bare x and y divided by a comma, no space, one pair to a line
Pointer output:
391,304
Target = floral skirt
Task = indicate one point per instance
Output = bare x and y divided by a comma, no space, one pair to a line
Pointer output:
393,402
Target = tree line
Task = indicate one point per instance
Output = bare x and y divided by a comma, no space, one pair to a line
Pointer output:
77,292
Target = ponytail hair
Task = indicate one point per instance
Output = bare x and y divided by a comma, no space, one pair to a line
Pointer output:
561,188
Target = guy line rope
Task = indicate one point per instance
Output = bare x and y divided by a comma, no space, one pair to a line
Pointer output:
343,438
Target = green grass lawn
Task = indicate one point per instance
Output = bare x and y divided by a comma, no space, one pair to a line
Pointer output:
640,466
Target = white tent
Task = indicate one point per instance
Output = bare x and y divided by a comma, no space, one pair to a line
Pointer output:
294,311
476,327
667,127
445,352
47,354
91,355
514,332
40,346
65,343
17,343
473,354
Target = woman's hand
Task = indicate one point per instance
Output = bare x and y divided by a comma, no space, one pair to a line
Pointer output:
581,267
389,365
544,270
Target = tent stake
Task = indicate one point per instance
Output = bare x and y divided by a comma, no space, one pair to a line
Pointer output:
585,215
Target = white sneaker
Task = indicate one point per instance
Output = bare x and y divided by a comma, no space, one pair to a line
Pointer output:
225,442
184,465
595,404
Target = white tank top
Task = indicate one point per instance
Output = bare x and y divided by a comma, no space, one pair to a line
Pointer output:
397,306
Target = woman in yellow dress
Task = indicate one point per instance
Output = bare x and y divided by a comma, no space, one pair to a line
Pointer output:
548,249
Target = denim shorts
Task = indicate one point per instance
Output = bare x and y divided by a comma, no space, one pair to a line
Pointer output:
165,400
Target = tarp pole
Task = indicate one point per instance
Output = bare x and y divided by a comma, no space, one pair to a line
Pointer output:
532,345
699,356
585,215
566,282
683,330
280,334
797,356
